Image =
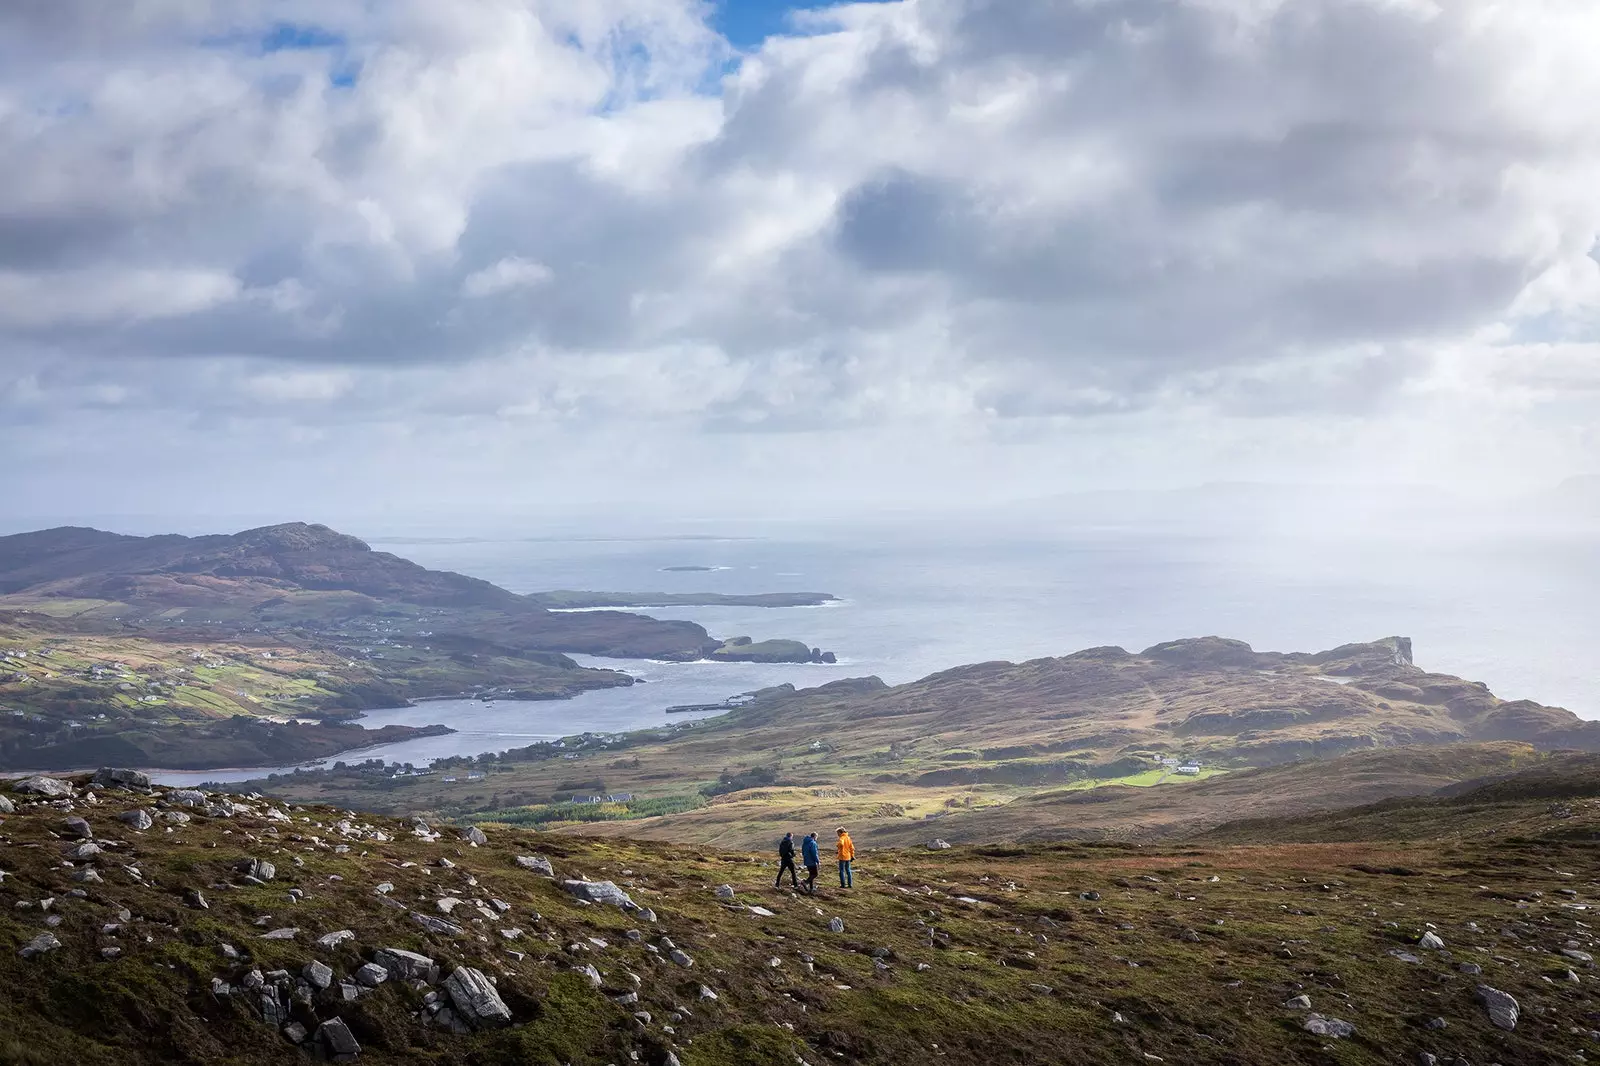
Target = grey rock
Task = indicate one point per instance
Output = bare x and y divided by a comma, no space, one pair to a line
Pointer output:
138,819
175,817
329,941
537,863
590,974
835,925
435,925
938,845
187,797
475,837
6,806
295,1033
1502,1007
678,956
110,953
260,869
598,892
626,999
724,891
111,776
194,899
407,965
219,987
86,849
88,876
348,992
1578,956
385,888
1471,969
49,787
1438,1023
1430,941
1427,1058
336,1041
79,828
39,945
1299,1003
372,975
706,993
1329,1027
475,999
280,934
318,975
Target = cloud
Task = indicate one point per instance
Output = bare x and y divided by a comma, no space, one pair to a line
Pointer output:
508,274
1011,225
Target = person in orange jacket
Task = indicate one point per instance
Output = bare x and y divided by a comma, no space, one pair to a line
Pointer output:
846,852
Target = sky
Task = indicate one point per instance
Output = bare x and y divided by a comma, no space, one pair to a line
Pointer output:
337,260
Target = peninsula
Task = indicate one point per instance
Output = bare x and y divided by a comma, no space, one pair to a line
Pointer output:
141,649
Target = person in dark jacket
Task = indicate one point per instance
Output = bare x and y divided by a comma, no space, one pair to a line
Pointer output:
812,859
786,861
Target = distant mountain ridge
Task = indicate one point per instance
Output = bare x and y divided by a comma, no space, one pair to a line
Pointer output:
92,564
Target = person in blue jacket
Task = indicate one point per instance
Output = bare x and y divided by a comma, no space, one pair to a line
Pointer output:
812,859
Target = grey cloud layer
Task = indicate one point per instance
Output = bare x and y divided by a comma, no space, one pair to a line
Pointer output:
967,209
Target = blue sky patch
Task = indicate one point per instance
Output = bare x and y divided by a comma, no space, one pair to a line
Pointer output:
746,23
289,36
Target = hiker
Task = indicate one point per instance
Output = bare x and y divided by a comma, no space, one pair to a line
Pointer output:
846,851
812,859
786,861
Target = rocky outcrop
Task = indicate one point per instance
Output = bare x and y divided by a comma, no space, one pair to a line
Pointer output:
476,1000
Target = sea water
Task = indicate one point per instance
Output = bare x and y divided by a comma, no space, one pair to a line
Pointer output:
1517,612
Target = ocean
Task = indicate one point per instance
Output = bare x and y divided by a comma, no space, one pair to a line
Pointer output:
1515,611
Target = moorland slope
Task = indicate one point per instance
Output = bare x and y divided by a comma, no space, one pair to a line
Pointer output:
147,925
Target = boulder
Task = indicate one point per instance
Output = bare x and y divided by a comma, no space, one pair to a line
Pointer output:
835,925
407,965
537,863
138,819
1299,1003
260,869
1430,941
280,934
599,892
679,956
939,845
1502,1007
110,776
335,1041
6,806
724,891
329,941
435,925
39,945
79,828
475,999
187,797
372,975
49,787
318,975
1329,1027
475,837
295,1033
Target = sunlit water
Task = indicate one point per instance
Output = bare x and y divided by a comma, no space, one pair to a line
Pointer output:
1518,614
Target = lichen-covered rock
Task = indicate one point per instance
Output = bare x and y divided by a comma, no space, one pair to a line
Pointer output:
476,1000
1329,1027
537,863
407,965
1502,1007
39,945
318,975
372,975
49,787
116,777
138,819
435,925
334,1039
599,892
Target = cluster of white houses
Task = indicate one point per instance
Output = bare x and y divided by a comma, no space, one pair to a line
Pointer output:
1189,767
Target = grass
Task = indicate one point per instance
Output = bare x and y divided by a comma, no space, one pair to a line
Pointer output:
994,952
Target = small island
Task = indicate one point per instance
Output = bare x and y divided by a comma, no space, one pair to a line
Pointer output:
745,650
572,600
